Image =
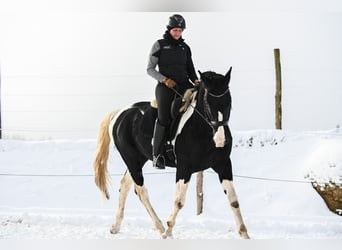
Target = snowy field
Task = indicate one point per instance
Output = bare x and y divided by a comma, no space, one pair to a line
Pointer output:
47,191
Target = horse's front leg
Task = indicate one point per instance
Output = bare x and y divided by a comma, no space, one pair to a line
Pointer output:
234,203
181,188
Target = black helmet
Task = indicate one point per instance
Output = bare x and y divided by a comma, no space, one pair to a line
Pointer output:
176,21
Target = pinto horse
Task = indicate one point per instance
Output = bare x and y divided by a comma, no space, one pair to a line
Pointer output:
203,140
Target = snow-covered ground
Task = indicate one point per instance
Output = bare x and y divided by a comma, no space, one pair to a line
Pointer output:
47,191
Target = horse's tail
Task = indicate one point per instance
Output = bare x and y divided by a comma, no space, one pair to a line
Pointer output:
102,153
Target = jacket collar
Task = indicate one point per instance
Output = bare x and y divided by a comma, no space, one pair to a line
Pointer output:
168,37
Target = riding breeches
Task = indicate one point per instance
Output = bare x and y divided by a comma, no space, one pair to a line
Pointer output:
164,96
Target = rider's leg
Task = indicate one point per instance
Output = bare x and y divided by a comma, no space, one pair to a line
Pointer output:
158,145
164,97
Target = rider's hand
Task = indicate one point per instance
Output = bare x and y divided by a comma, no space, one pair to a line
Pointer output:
169,82
196,82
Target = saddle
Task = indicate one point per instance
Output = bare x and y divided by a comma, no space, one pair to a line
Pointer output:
178,107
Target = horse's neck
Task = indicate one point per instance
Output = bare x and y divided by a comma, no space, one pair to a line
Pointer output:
201,122
200,102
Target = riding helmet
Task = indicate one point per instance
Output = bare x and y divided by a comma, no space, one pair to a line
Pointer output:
176,21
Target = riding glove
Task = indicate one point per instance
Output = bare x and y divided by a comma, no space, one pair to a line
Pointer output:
169,82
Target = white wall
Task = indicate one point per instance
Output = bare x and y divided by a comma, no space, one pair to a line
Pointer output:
64,67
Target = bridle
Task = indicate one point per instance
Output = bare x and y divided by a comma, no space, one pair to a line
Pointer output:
207,116
217,96
214,124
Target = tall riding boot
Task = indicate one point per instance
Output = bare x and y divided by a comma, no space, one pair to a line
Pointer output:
158,146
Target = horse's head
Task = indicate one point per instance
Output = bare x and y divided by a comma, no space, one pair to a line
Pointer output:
216,102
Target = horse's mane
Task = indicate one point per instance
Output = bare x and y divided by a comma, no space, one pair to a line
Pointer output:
213,81
211,75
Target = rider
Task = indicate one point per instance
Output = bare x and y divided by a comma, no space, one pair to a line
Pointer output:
175,68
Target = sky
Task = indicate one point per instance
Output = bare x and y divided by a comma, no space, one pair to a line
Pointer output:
65,64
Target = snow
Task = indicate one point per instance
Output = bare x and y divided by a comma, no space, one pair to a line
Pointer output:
47,191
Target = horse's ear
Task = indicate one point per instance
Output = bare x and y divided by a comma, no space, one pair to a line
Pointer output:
227,75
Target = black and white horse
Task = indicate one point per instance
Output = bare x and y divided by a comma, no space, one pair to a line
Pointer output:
203,140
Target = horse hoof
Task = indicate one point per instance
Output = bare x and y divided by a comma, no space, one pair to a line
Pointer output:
245,236
160,229
114,230
166,235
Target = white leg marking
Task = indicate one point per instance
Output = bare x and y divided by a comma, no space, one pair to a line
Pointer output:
234,203
181,189
219,136
142,193
126,184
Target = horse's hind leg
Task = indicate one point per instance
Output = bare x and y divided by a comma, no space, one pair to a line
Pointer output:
142,193
126,184
234,203
181,188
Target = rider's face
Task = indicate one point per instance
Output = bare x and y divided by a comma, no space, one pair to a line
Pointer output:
176,33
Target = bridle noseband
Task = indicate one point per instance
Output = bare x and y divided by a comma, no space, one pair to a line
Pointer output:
207,110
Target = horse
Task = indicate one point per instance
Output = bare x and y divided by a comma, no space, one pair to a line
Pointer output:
202,140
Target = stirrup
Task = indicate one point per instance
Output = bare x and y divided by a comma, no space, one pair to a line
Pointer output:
159,162
170,152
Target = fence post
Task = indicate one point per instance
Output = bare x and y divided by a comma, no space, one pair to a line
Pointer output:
278,94
199,191
0,107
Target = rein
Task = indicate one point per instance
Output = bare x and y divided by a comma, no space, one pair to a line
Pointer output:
213,124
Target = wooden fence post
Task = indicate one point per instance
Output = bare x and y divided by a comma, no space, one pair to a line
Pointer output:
278,94
199,191
0,106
